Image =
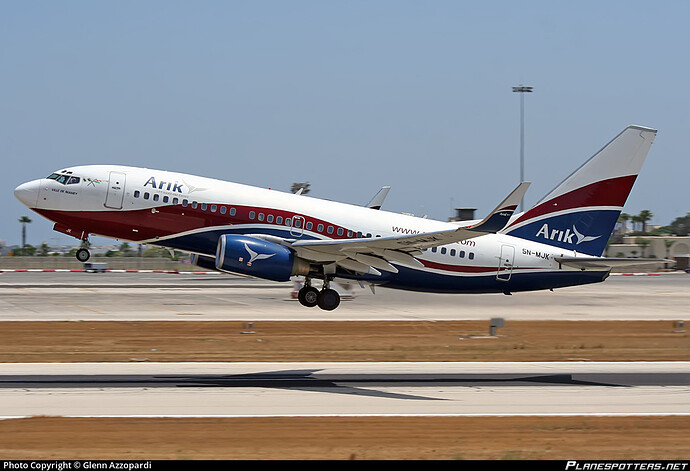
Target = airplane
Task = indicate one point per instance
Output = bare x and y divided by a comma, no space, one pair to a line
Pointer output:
269,234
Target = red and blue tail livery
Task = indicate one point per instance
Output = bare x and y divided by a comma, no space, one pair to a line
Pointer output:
580,213
235,228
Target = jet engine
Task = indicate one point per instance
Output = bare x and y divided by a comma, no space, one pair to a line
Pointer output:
259,258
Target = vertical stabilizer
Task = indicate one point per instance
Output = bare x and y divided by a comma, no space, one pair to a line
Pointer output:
581,212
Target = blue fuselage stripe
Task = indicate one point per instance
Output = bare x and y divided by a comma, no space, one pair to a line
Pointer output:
407,278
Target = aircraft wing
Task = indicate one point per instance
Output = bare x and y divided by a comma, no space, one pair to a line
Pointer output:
603,262
372,254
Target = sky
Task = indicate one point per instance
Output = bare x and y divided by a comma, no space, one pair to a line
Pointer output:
347,95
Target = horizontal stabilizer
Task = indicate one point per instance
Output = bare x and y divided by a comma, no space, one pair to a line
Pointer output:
602,262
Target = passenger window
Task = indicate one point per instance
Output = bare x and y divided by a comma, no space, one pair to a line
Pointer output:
233,211
252,214
330,229
155,197
340,231
146,195
349,233
261,216
175,201
279,219
185,203
309,226
452,252
471,257
165,199
269,218
204,206
223,210
434,249
462,254
443,250
194,204
136,193
319,228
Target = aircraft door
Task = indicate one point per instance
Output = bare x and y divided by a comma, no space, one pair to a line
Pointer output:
505,263
116,190
297,227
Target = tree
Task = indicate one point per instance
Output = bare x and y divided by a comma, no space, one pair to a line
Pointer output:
680,226
644,216
24,220
635,220
623,219
126,249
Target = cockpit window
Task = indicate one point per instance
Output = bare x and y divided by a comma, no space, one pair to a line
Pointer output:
64,179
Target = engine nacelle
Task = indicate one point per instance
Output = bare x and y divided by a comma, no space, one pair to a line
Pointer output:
259,258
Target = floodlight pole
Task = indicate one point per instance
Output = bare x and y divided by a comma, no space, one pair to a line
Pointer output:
522,90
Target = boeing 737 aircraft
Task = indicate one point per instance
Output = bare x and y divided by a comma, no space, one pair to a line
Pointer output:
274,235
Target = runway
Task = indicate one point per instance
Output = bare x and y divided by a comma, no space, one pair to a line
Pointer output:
335,389
344,389
162,296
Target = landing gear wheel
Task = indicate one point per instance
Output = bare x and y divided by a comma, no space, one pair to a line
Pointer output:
83,255
308,296
328,299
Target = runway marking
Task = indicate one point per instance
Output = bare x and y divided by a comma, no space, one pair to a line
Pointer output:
184,313
86,308
253,416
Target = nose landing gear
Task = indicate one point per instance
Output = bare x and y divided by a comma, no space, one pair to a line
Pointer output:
83,254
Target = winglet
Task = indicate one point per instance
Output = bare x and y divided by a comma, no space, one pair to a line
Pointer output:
500,216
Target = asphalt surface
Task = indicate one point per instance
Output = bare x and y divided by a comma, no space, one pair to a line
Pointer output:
165,296
285,389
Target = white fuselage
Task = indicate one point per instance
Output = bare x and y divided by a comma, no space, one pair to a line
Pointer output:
189,212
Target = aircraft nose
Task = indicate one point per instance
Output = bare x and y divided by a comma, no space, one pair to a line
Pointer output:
27,193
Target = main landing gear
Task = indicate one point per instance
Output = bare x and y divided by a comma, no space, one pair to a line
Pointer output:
327,299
